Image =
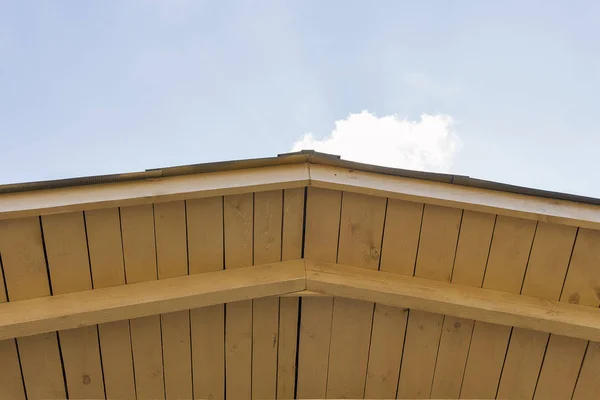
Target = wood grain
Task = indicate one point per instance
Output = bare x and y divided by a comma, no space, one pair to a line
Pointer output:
361,231
26,277
435,258
103,229
398,255
292,242
68,263
469,267
171,258
238,213
139,251
321,243
509,254
205,247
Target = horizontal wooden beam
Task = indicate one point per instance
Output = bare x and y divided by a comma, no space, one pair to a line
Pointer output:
47,314
90,197
451,299
294,278
457,196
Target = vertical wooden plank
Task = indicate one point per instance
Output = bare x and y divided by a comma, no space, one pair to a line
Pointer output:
564,356
398,255
361,232
139,252
171,257
544,279
509,253
106,259
11,380
588,384
323,208
26,277
68,263
205,247
291,249
469,267
435,258
268,218
238,220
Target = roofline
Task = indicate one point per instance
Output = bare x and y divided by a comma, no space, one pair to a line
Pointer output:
300,157
297,170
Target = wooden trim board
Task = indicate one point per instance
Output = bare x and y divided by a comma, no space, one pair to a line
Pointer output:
185,187
457,196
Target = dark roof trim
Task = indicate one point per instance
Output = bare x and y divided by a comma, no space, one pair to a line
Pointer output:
304,156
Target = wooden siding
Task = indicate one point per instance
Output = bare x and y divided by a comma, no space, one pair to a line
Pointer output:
308,347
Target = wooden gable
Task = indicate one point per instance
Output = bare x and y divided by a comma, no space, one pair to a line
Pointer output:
297,278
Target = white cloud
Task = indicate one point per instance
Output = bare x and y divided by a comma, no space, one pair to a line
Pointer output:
429,144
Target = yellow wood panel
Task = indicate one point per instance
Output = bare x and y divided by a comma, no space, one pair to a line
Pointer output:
509,253
139,251
291,249
117,359
561,366
322,224
435,258
171,257
293,224
286,352
544,279
469,267
103,229
268,219
68,263
24,266
41,366
321,242
205,247
588,383
385,353
361,231
564,356
11,380
398,255
238,221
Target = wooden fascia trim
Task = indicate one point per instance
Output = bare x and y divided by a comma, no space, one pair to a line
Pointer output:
155,190
51,201
457,196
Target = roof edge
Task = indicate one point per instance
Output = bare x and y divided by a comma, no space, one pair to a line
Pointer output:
303,156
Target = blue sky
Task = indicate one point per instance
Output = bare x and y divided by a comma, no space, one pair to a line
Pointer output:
505,91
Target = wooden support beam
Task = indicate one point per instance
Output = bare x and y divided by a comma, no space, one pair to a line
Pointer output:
294,278
455,300
74,310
